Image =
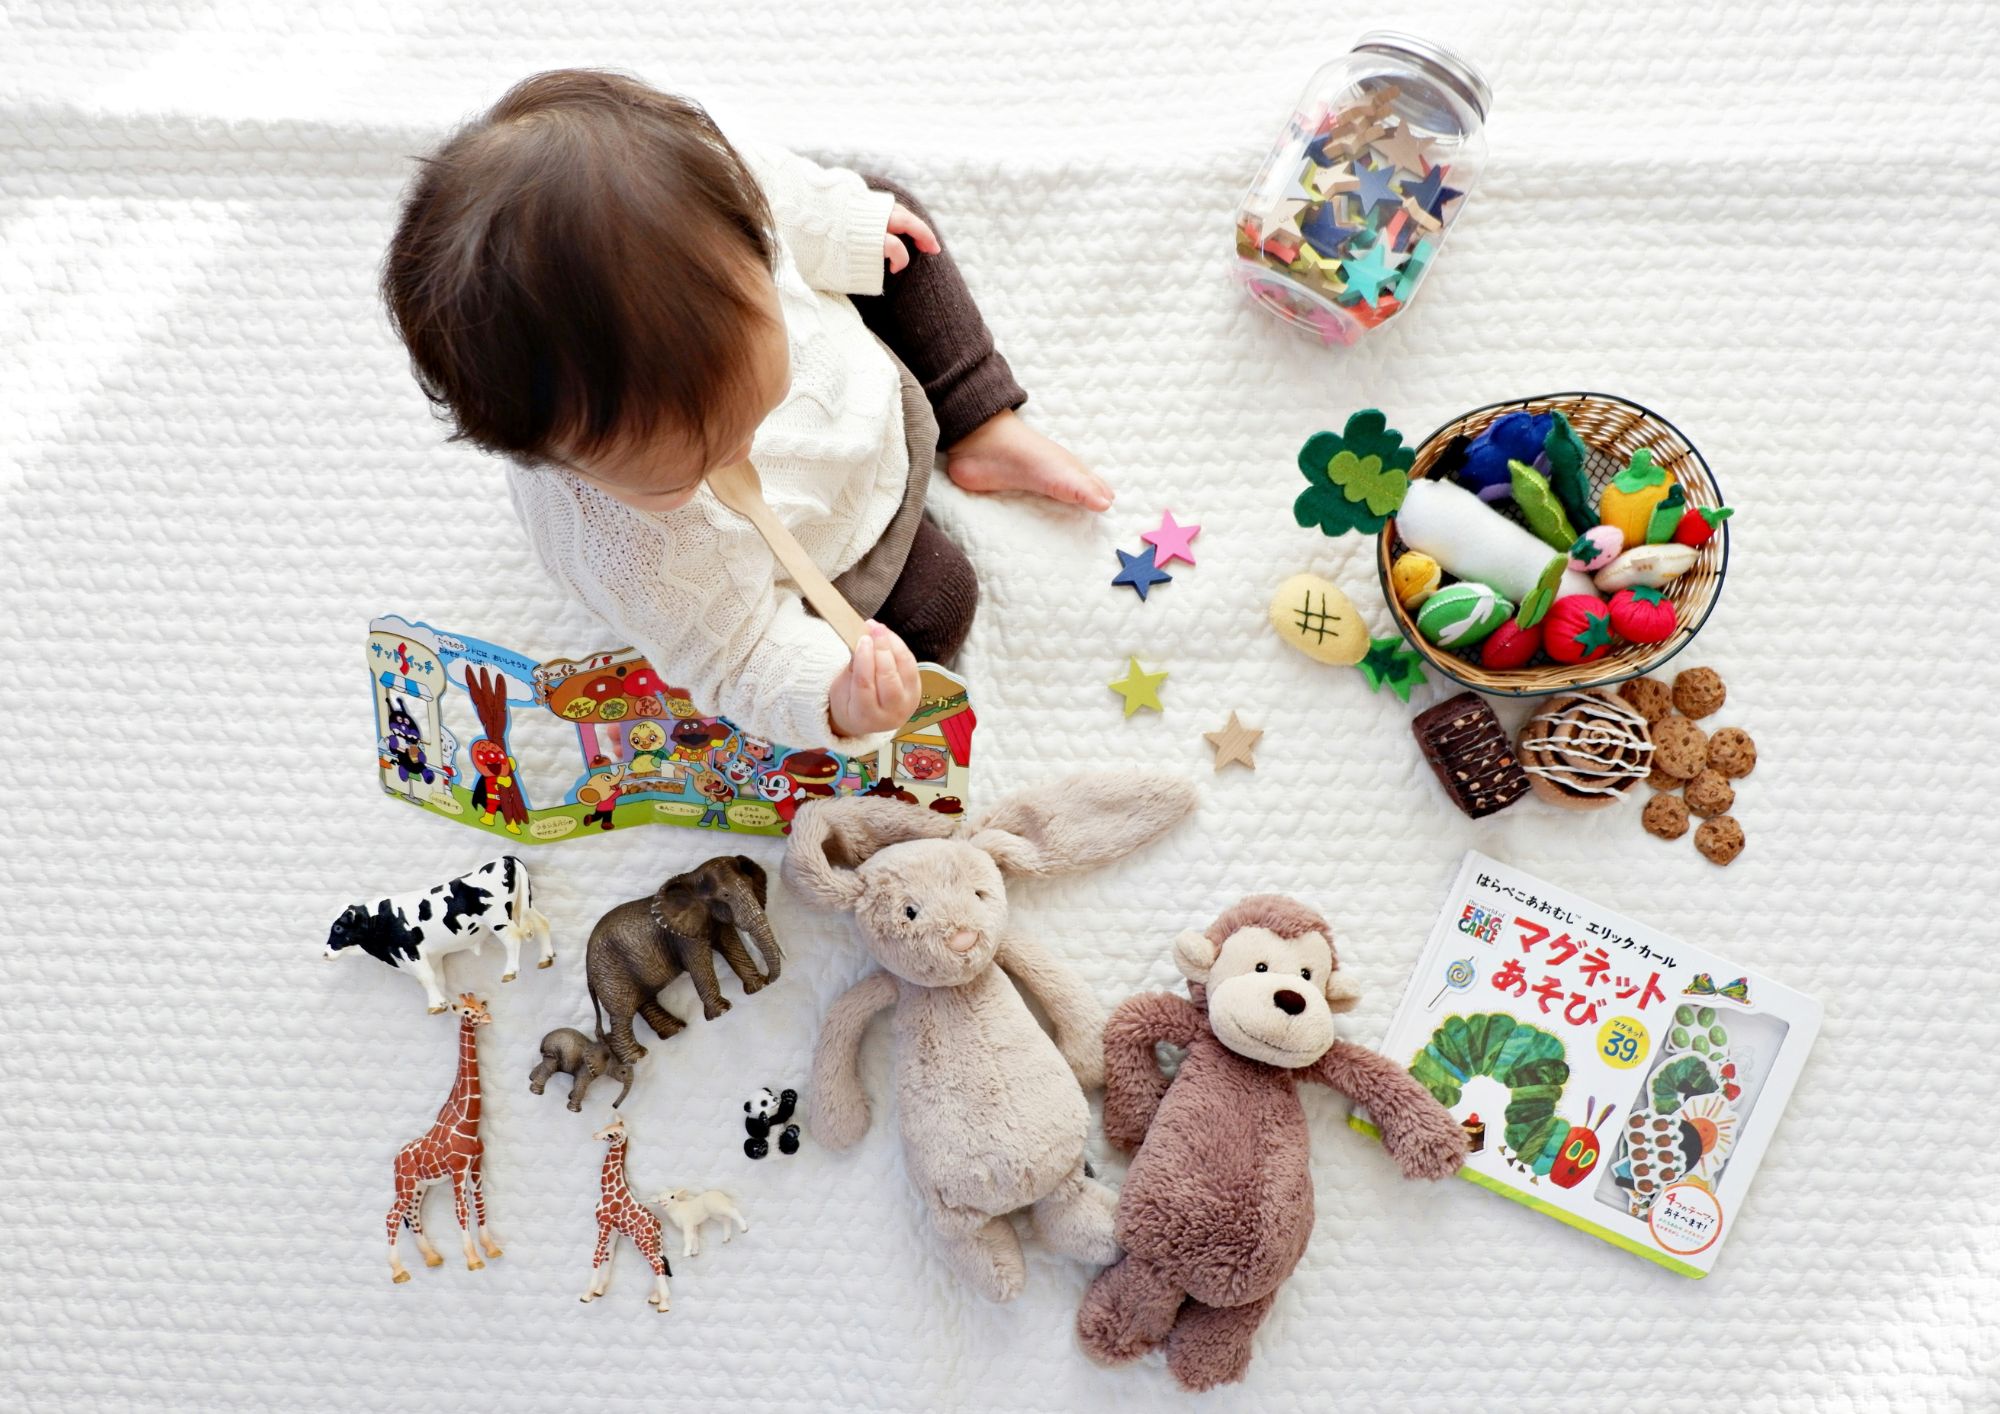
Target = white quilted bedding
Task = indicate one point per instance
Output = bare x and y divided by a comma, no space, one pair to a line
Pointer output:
1771,221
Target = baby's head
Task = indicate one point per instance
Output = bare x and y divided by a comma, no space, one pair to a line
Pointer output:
582,276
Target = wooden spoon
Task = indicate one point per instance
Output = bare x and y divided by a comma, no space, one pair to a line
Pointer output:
739,488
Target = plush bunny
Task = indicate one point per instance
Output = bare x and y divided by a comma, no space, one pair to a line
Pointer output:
992,1108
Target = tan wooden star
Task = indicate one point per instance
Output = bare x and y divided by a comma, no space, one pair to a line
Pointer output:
1233,742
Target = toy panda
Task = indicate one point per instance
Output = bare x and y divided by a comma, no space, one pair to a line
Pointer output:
765,1112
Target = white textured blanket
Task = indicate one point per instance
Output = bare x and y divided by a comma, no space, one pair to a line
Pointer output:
1771,221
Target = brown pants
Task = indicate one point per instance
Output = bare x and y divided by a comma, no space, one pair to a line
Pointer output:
927,318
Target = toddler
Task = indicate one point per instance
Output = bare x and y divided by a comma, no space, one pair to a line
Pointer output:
594,282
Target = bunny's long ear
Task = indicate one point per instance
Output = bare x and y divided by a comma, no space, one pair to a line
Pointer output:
830,838
1081,821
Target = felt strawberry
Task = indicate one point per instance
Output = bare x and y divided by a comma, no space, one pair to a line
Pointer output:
1698,523
1577,629
1511,646
1643,615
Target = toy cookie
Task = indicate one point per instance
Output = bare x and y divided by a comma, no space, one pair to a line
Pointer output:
1469,750
1710,793
1732,752
1666,816
1648,697
1680,748
1586,751
1698,692
1720,840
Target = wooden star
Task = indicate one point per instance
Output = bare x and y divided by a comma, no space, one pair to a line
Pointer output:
1404,148
1139,688
1233,743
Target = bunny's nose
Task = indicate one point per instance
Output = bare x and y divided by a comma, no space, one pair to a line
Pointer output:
1290,1002
963,941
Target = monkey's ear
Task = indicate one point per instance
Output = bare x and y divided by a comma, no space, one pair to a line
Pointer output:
1194,955
1342,993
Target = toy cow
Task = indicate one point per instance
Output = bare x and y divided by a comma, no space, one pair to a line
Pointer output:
413,932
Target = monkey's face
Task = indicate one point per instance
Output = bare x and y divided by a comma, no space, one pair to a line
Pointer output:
1269,998
933,911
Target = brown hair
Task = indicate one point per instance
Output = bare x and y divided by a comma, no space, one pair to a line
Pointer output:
1286,917
571,268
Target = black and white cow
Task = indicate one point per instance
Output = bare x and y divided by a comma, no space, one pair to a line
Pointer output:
413,932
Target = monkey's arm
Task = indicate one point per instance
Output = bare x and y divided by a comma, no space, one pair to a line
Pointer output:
1419,1133
1071,1006
1133,1084
837,1105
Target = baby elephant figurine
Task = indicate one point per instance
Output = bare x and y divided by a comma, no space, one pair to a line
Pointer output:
639,947
688,1210
568,1050
991,1106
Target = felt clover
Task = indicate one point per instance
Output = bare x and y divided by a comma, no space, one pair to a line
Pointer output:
1391,663
1358,476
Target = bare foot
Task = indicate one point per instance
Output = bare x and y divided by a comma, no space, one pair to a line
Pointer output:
1005,454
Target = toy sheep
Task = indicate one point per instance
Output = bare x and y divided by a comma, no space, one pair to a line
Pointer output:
688,1210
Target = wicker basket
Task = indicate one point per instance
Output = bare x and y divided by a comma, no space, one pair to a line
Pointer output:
1613,429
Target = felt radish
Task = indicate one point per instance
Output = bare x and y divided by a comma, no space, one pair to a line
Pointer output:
1629,500
1510,646
1643,614
1596,548
1577,629
1474,541
1698,524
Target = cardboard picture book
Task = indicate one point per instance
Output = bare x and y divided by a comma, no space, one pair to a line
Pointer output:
1607,1075
540,751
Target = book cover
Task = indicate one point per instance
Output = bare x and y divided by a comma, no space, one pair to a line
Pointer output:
1607,1075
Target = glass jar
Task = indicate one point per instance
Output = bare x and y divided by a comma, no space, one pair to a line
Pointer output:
1352,205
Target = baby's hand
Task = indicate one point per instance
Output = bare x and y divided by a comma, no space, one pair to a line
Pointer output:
879,690
905,222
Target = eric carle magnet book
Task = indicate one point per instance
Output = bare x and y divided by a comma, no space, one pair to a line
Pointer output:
540,751
1617,1080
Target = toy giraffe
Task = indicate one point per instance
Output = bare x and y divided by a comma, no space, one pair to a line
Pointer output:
449,1150
619,1211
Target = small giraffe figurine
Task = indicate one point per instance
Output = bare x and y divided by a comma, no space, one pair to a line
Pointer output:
619,1211
450,1149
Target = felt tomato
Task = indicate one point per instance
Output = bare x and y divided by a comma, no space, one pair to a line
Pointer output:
1643,614
1511,646
1577,629
1698,523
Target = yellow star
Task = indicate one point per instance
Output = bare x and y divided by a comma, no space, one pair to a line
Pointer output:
1139,688
1234,742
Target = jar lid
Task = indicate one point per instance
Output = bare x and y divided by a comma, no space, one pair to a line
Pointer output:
1458,73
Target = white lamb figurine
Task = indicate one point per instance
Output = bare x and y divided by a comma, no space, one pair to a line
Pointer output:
688,1210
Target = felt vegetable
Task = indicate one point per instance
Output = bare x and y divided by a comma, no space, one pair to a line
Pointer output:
1536,602
1577,630
1356,477
1629,500
1415,577
1666,517
1474,541
1596,548
1654,565
1459,616
1515,436
1566,455
1643,614
1698,524
1511,646
1539,506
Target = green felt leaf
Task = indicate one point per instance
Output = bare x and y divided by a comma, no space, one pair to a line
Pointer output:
1667,516
1596,633
1366,480
1535,607
1356,477
1539,506
1714,515
1646,594
1640,474
1392,663
1567,454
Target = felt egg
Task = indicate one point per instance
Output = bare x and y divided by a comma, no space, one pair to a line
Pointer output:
1458,617
1415,577
1698,524
1629,500
1315,616
1577,629
1540,508
1510,646
1654,565
1596,548
1643,614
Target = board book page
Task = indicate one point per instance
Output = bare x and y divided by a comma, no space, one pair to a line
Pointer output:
1607,1075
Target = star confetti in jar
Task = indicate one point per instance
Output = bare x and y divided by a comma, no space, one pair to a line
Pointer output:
1354,201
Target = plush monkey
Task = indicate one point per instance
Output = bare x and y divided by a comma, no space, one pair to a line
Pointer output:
1218,1202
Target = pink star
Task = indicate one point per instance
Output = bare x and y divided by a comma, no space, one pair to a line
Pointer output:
1170,541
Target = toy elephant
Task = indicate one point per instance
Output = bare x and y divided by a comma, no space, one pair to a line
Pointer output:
568,1050
992,1107
639,947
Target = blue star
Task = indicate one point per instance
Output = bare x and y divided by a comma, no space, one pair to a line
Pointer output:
1324,233
1375,189
1441,197
1140,572
1426,191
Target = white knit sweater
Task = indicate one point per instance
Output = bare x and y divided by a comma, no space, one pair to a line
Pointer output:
696,589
